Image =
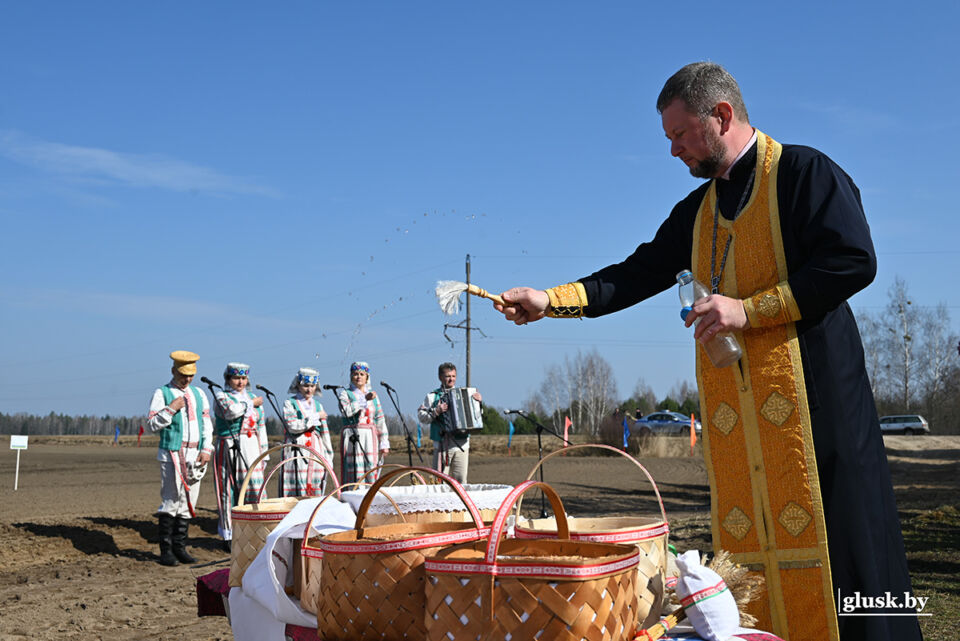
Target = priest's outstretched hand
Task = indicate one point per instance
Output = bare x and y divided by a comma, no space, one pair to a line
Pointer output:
523,304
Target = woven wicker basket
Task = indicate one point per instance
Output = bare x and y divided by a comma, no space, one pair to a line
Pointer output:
373,577
646,532
253,522
308,563
532,589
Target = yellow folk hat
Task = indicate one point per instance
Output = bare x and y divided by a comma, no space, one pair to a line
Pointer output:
184,362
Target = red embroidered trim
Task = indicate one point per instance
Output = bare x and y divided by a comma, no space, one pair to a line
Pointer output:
402,545
624,536
533,570
704,594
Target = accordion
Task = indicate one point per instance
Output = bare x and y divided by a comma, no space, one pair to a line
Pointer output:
463,415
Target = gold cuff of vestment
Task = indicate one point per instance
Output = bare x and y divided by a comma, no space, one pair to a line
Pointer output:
775,306
567,301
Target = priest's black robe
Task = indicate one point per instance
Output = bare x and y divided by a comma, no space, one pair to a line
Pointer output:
830,257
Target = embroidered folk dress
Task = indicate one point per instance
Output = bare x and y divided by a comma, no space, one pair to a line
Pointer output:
305,427
363,420
240,436
183,436
800,486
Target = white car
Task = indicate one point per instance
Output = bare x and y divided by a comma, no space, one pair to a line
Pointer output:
904,424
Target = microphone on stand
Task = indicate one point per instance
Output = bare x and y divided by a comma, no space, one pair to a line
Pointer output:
209,382
387,385
332,387
264,390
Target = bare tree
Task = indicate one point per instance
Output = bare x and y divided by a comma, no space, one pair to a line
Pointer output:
871,334
684,390
598,389
910,358
902,322
644,396
584,387
936,348
553,396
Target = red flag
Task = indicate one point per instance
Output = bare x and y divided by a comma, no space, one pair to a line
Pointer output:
139,434
566,430
693,434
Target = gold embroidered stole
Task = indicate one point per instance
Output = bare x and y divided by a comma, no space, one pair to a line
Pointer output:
765,493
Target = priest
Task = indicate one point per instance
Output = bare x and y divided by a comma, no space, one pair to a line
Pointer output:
800,488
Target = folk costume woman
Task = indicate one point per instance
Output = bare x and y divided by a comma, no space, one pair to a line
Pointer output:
240,436
306,424
364,441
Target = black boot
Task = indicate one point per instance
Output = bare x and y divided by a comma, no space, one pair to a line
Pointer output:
166,523
180,527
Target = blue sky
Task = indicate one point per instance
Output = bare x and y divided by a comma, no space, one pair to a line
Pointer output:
284,185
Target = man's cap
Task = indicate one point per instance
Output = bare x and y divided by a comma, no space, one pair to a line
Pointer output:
184,362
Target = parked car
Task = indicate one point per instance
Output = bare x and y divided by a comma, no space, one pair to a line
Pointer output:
664,422
904,424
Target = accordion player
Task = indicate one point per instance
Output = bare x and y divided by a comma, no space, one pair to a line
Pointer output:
463,416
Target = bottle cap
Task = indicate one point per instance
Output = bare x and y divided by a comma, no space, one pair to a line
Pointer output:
684,312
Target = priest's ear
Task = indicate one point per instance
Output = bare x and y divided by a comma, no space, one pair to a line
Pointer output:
724,113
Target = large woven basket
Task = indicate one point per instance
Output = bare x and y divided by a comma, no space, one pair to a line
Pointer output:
373,577
308,563
532,589
253,522
649,533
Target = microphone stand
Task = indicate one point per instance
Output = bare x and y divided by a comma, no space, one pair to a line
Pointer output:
390,393
231,460
540,430
272,399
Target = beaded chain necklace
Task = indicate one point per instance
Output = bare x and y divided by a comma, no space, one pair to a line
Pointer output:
715,275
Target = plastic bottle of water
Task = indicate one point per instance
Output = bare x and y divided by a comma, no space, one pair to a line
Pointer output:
723,349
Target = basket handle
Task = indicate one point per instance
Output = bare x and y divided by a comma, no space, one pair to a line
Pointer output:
316,510
380,468
317,459
275,448
404,471
653,483
500,520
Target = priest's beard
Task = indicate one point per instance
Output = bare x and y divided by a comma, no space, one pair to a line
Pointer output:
710,166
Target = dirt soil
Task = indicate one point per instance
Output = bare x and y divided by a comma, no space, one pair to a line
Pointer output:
78,551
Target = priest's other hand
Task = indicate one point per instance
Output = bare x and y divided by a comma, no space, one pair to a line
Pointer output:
717,314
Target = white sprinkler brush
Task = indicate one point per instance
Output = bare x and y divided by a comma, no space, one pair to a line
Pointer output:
448,295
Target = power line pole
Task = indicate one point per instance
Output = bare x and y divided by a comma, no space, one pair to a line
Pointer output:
464,325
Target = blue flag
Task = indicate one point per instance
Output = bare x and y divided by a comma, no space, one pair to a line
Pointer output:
626,432
418,434
510,434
